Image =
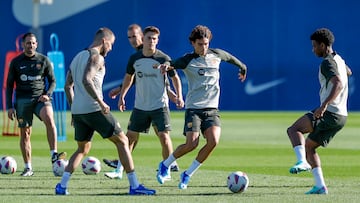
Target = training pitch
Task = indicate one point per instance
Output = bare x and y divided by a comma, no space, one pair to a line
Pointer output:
253,142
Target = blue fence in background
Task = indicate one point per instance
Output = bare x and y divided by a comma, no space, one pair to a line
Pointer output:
59,96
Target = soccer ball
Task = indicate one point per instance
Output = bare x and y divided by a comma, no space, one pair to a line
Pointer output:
59,167
8,165
91,165
237,182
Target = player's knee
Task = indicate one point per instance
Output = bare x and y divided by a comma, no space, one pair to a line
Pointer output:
191,146
290,131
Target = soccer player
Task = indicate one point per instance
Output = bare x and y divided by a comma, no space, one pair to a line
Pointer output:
135,37
202,71
33,74
151,99
323,122
83,90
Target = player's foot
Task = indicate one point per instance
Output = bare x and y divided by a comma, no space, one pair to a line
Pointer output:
184,180
300,166
56,156
141,190
111,163
116,174
27,172
60,190
320,191
174,168
163,173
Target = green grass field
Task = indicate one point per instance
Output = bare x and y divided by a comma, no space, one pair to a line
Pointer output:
253,142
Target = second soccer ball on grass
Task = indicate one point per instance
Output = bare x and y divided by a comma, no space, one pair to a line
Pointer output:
91,165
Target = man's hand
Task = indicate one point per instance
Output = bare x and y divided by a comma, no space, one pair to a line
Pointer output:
180,103
163,68
121,104
44,98
114,92
104,107
11,114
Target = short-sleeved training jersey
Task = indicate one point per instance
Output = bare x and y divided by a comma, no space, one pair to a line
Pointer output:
333,65
150,83
30,75
202,73
83,103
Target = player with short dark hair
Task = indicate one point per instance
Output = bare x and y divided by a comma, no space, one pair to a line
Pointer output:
151,98
83,90
33,74
135,37
323,122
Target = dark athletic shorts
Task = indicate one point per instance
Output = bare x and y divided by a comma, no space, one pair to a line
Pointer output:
326,127
86,124
140,120
201,119
25,108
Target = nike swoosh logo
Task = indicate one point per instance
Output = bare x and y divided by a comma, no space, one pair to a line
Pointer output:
48,14
110,85
251,89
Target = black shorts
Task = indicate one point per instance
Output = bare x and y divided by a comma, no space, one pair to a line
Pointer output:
25,108
85,125
140,120
201,119
326,127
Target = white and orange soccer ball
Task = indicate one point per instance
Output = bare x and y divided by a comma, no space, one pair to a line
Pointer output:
237,182
8,165
91,165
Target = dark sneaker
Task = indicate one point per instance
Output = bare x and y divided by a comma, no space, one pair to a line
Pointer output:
141,190
174,168
111,163
57,156
27,172
61,190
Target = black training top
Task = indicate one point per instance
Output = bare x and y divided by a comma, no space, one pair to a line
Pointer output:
33,76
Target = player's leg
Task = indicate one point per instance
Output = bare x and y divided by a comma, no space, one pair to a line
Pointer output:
119,168
25,147
139,123
314,160
166,143
133,137
296,133
75,160
24,115
324,131
192,141
211,130
161,124
212,136
45,112
121,142
83,136
191,131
